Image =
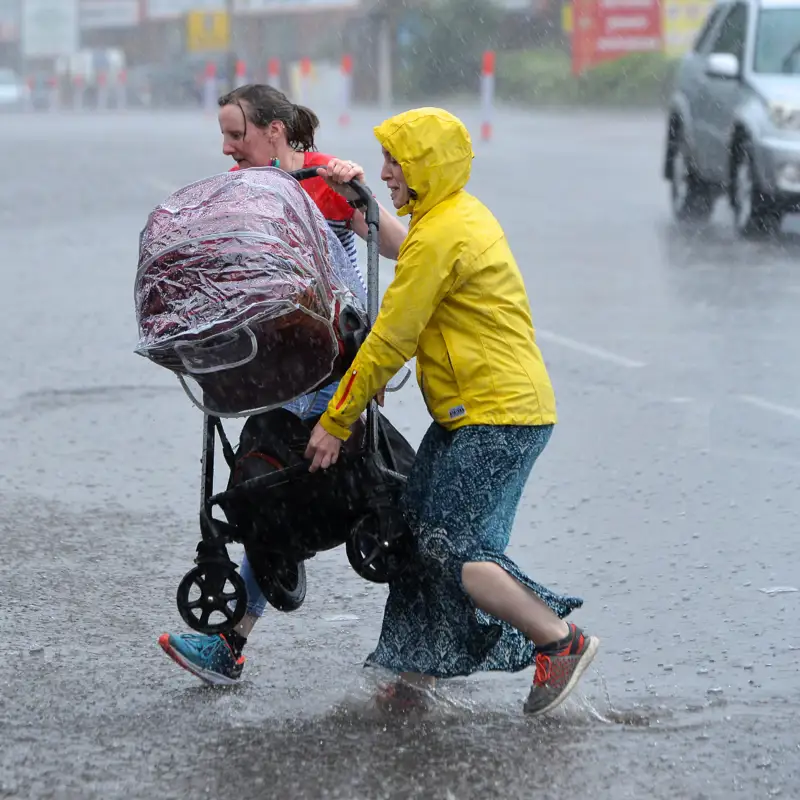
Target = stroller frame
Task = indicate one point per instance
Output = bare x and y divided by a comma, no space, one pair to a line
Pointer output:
378,544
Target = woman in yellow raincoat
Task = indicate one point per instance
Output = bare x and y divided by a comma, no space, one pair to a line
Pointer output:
458,303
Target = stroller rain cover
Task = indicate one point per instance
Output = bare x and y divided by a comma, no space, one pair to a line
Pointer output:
239,284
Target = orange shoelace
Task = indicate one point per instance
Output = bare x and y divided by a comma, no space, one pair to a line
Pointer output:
542,673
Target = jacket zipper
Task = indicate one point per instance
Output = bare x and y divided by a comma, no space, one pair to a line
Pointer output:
347,389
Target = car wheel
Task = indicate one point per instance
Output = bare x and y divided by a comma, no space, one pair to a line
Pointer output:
692,198
754,213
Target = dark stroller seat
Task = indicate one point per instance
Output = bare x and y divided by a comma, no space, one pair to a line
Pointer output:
296,519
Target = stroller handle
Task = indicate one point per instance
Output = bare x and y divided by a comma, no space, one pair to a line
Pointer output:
362,190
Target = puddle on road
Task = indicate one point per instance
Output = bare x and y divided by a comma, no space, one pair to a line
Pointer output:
479,706
465,749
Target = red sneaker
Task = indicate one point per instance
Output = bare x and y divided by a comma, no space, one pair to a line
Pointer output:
558,669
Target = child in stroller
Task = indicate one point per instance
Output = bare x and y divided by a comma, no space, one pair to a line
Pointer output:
240,287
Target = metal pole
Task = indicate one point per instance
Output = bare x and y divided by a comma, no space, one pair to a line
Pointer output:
385,61
22,65
373,301
231,49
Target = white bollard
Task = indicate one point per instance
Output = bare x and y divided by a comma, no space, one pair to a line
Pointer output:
102,90
274,73
487,94
121,90
241,73
78,89
53,93
30,88
305,75
210,88
347,89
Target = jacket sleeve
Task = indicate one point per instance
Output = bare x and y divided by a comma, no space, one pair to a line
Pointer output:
424,275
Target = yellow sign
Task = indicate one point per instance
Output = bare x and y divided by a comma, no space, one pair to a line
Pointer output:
207,31
682,20
566,18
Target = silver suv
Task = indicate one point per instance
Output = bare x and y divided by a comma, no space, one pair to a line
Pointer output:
734,116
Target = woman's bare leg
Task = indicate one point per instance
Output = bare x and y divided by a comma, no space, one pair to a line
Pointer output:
494,591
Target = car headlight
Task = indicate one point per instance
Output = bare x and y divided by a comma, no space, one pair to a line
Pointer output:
785,116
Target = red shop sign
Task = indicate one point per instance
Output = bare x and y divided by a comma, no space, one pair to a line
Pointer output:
604,30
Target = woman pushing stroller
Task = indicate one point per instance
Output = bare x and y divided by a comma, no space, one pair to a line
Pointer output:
458,303
260,127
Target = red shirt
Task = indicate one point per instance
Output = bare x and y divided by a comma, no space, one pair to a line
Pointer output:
332,205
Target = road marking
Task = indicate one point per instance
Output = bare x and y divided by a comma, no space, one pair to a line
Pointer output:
767,405
737,455
590,350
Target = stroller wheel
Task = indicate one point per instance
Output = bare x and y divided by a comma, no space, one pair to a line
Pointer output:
212,589
287,584
282,579
379,546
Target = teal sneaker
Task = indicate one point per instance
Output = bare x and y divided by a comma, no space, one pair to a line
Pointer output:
210,658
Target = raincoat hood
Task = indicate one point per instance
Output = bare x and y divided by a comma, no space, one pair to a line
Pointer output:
434,150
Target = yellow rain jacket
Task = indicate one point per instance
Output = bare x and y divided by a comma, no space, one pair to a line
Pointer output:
457,301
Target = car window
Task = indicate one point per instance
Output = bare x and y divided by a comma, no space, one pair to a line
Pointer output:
777,49
705,32
732,33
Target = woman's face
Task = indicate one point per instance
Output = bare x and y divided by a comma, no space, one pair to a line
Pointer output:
392,176
246,143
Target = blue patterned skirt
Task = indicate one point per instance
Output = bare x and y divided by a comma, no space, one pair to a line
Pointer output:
461,500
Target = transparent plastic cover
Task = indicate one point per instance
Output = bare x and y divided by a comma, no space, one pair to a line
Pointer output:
238,286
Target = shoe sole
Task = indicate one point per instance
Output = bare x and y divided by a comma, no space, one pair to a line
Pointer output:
211,678
592,644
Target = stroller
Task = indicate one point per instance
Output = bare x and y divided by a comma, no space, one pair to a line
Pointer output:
239,290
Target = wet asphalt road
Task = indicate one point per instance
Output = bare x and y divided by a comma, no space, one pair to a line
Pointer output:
667,498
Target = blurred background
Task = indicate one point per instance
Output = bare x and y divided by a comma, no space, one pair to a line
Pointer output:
175,53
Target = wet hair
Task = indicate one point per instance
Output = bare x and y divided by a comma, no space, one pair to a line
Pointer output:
262,104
